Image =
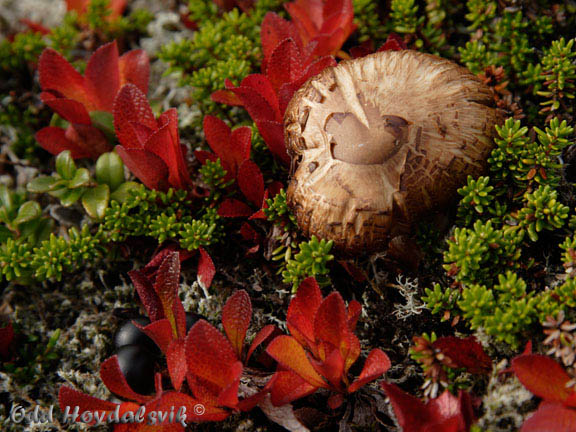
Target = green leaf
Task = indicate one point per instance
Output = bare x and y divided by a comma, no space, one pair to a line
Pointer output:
69,196
81,178
5,234
6,197
104,121
95,201
110,170
41,184
65,165
28,211
123,192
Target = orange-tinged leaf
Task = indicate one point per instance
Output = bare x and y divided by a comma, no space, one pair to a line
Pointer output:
302,310
210,355
135,69
377,363
542,376
147,294
273,31
236,315
330,322
289,353
332,368
288,386
166,286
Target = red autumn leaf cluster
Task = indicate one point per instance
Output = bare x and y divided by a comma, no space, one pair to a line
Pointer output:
116,7
232,148
149,147
6,338
321,348
80,99
323,24
548,380
393,43
216,361
446,413
464,353
211,363
290,58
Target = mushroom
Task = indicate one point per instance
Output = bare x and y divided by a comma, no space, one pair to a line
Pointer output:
378,142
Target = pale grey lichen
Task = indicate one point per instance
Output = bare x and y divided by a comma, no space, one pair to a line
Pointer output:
506,403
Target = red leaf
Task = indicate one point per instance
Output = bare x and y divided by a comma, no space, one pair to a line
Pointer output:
135,69
68,397
160,332
542,376
163,144
273,31
261,85
332,368
240,143
203,156
411,413
229,396
251,182
236,315
465,353
131,106
89,138
394,42
113,378
210,355
260,338
56,74
451,412
273,134
53,140
148,296
206,269
69,109
233,208
335,400
146,166
256,101
376,365
218,136
302,310
307,16
284,65
226,97
103,76
249,233
6,337
250,402
176,361
551,417
176,399
354,311
166,286
290,354
288,386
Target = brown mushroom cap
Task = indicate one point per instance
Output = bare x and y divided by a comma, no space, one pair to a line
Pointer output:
378,141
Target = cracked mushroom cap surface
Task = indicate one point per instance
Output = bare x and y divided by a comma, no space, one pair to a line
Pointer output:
379,141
